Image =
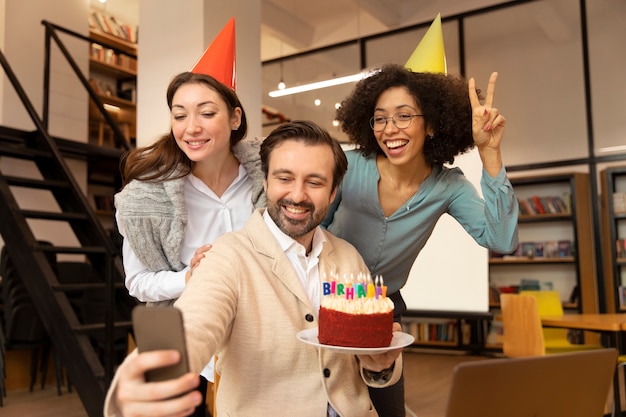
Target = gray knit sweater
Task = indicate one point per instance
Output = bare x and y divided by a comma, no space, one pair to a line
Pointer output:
153,215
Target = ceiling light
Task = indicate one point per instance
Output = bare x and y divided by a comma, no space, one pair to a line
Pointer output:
618,148
110,107
281,83
317,101
321,84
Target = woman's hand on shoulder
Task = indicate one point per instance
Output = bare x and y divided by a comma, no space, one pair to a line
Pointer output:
195,260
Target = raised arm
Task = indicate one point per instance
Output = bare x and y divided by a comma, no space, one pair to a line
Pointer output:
487,126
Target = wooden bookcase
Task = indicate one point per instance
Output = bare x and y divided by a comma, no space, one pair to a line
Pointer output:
113,74
613,235
568,268
447,330
570,271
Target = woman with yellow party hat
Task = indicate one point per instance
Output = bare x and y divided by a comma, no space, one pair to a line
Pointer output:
407,122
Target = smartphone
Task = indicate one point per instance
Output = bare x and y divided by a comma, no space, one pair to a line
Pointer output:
158,328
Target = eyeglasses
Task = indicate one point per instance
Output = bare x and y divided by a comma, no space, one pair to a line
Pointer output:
400,120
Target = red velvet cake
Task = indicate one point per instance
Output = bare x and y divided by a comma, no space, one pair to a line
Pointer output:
355,315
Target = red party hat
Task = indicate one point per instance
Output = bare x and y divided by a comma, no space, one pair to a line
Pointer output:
218,60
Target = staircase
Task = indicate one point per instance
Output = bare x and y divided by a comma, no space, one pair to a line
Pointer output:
89,370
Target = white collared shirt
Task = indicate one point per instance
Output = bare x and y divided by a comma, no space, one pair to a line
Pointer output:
306,266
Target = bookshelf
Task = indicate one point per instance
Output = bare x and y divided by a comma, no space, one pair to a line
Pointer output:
113,75
613,234
556,243
448,330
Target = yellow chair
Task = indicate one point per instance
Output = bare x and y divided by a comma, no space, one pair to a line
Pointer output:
523,333
555,340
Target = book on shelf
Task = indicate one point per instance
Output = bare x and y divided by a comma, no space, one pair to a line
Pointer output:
495,336
622,296
549,204
109,24
574,295
527,284
551,249
546,250
619,202
620,248
104,202
528,249
525,207
432,331
128,91
110,57
564,248
494,295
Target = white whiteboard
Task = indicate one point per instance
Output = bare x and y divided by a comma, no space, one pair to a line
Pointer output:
451,273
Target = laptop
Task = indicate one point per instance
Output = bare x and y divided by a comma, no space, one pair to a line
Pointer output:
569,384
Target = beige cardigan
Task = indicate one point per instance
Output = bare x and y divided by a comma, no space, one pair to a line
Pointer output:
246,301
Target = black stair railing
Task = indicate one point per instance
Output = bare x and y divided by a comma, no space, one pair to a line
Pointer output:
51,34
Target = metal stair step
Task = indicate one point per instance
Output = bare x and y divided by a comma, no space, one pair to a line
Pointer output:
36,183
85,286
21,152
86,328
79,250
49,215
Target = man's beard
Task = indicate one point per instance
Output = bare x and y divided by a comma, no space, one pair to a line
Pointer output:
292,227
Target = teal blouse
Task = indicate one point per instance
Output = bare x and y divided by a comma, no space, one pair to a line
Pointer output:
390,245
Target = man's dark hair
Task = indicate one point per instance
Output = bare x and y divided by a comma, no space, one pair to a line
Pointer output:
310,134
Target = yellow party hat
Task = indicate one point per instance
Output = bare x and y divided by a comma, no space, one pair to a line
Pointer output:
429,56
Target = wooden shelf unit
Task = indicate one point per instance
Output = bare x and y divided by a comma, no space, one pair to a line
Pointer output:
112,69
113,74
578,268
613,181
449,330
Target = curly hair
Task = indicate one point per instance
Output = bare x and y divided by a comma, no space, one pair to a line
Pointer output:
164,159
443,100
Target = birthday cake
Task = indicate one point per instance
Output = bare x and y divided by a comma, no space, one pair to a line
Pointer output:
355,314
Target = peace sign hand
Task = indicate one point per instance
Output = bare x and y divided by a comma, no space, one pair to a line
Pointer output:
487,122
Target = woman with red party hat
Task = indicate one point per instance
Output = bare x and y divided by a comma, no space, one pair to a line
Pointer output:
201,179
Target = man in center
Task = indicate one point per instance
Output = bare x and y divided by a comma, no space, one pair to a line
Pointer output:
251,295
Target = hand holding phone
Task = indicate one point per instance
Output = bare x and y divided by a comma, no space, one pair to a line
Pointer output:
161,328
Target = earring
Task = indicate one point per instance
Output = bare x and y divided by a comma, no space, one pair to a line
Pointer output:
430,137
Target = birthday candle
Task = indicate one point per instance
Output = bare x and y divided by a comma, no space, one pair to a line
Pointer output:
340,288
371,291
360,291
349,293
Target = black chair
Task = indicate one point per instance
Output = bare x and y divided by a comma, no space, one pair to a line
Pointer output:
90,306
21,328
